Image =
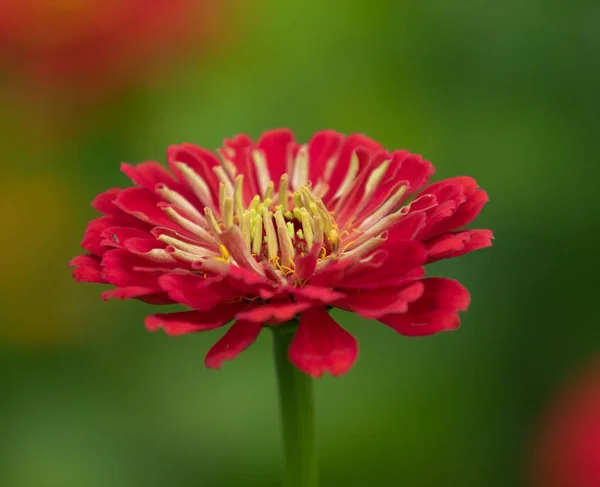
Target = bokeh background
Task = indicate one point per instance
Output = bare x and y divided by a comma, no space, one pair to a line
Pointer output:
504,91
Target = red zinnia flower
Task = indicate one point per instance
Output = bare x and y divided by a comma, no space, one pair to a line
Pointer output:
567,450
273,230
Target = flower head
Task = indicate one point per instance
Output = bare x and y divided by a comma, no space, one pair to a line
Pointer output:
271,231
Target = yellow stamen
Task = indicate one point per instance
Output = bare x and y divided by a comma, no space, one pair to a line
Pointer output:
269,191
222,196
290,228
228,209
318,228
212,221
262,170
238,194
254,203
307,228
283,192
257,236
334,239
271,236
298,203
285,241
245,228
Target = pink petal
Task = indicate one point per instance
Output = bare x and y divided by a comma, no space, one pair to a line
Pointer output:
238,338
273,313
190,321
321,345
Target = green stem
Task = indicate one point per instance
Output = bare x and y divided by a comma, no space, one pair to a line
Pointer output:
297,414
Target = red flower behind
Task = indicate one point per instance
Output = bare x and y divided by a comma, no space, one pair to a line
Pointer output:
274,230
83,45
567,449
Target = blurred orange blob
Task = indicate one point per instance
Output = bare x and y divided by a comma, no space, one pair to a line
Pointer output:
86,45
567,450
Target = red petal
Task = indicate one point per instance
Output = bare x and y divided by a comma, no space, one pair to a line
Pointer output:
190,321
238,338
378,303
130,292
87,269
232,239
436,310
349,146
459,243
276,144
117,236
415,170
149,174
321,345
142,204
390,271
459,202
104,202
92,236
305,265
322,147
407,228
122,268
196,291
273,313
200,160
237,150
322,295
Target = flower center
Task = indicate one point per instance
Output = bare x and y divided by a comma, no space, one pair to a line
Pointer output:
278,226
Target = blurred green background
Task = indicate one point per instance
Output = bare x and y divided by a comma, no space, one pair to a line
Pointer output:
506,92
